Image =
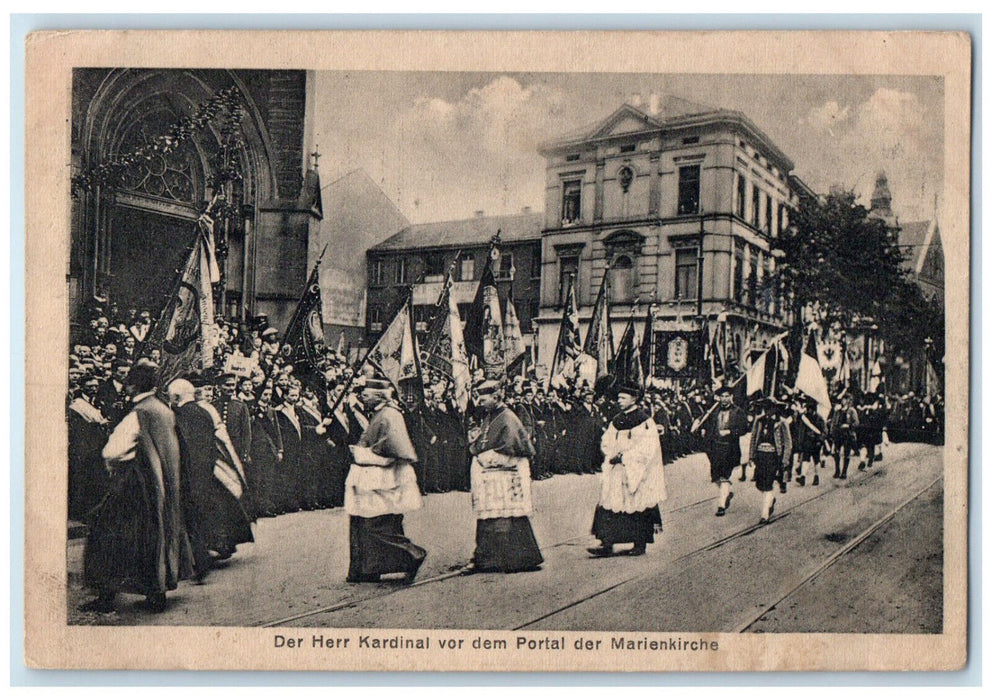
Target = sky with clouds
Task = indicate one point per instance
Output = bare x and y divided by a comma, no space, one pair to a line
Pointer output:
443,145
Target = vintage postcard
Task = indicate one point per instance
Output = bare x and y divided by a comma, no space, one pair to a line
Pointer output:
523,351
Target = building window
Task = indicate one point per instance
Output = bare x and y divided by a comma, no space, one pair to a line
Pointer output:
752,281
689,190
571,209
690,140
571,157
769,213
533,310
622,282
628,148
506,270
755,206
739,272
401,270
535,262
568,269
434,264
781,219
377,274
741,196
375,319
685,273
467,270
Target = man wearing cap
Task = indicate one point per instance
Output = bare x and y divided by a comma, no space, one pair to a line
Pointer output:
235,414
843,430
771,448
721,430
501,498
111,397
633,480
137,541
381,486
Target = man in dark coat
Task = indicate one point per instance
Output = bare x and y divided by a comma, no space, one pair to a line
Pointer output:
137,541
88,478
721,429
111,398
215,518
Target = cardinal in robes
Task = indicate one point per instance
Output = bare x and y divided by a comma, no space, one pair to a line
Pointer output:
501,491
633,479
380,488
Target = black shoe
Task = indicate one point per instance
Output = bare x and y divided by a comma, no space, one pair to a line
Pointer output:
781,487
730,497
637,551
801,480
100,605
762,521
721,511
836,475
743,476
155,602
603,551
861,466
816,480
843,475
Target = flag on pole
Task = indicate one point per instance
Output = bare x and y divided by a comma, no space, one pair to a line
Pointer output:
627,363
444,347
303,343
395,353
647,346
569,347
765,373
185,332
599,338
474,332
512,335
810,379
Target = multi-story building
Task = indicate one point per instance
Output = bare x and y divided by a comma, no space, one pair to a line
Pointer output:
128,241
639,196
421,255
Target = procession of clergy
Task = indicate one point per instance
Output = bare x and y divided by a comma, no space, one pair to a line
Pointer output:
176,502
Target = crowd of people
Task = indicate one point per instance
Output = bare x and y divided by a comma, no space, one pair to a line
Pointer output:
253,439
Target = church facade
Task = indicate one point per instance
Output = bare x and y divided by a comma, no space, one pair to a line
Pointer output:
128,241
681,209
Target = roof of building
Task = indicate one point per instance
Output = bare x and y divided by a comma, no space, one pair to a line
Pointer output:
468,233
915,238
673,112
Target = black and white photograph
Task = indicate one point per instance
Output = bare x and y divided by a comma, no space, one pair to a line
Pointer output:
413,367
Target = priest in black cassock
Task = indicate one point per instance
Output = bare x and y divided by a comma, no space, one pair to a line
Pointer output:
501,495
633,481
381,487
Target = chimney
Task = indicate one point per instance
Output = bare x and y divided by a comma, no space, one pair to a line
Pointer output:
479,213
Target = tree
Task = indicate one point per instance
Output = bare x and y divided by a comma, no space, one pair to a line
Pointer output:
851,268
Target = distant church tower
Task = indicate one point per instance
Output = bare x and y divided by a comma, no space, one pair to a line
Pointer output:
881,200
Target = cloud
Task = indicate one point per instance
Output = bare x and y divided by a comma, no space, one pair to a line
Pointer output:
890,130
477,152
827,116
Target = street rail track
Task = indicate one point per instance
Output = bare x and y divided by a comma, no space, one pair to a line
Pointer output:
802,581
394,589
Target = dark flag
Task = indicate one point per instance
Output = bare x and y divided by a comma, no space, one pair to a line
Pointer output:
647,345
599,339
569,346
303,343
627,363
475,320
